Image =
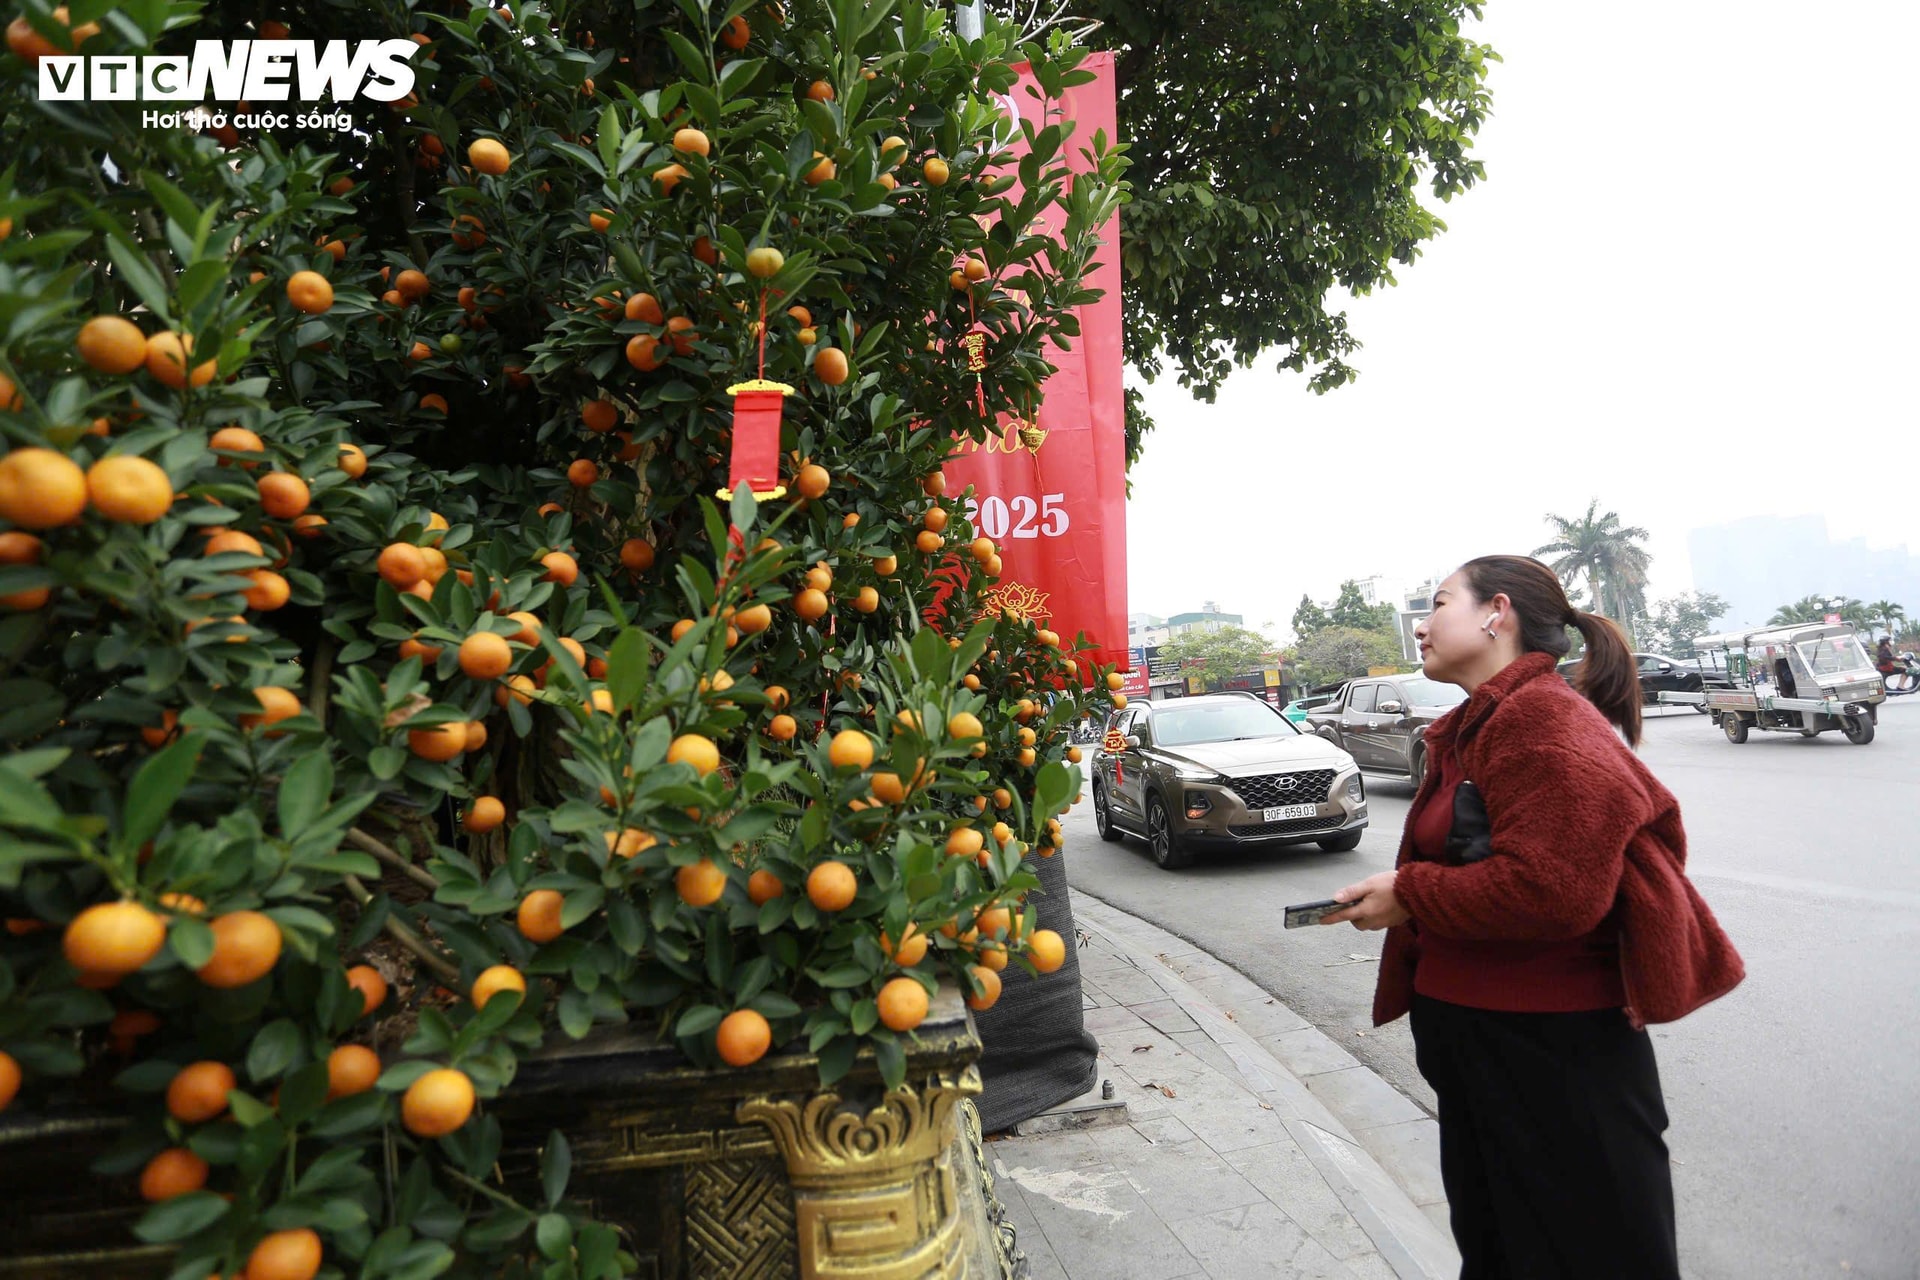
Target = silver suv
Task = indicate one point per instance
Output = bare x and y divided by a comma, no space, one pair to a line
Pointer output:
1222,770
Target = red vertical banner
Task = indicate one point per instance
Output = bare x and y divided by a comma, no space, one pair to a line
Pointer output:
1051,492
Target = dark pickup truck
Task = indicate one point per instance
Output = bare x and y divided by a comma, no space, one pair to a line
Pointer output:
1381,721
1660,674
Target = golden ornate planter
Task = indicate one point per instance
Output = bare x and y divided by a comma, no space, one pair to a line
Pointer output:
756,1174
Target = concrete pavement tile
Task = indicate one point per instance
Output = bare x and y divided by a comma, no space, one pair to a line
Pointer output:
1362,1099
1256,1240
1178,1179
1370,1266
1028,1236
1145,1104
1402,1233
1185,1073
1441,1215
1106,968
1165,1016
1133,987
1114,1021
1166,1130
1295,1101
1410,1153
1067,1149
1091,999
1288,1178
1308,1052
1255,1012
1231,1122
1201,1045
1097,1225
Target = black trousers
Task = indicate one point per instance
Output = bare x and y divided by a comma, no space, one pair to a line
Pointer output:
1550,1143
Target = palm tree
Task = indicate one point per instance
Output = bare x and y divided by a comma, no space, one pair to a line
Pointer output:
1816,609
1597,550
1805,609
1887,615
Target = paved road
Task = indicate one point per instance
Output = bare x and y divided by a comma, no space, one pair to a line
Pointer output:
1795,1101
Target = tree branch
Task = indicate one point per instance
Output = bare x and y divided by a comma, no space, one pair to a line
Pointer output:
441,967
392,858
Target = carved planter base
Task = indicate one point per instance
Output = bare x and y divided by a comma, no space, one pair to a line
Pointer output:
756,1174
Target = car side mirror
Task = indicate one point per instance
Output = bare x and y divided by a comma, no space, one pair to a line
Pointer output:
1133,742
1390,708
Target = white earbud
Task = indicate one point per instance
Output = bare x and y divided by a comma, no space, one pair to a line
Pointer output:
1491,619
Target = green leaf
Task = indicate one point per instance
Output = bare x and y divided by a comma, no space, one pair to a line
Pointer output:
837,1058
705,105
304,793
154,788
556,1164
845,975
691,58
180,1217
627,663
303,1093
248,1110
1052,788
401,1074
191,940
385,763
892,1059
697,1021
349,1115
138,274
554,1235
274,1050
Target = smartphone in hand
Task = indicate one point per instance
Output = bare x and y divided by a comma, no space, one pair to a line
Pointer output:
1307,913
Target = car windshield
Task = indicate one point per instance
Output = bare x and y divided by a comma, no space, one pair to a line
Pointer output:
1830,655
1218,722
1422,692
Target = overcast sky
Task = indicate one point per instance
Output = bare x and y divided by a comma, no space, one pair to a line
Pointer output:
1694,255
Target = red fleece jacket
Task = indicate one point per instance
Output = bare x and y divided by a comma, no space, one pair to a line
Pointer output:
1578,825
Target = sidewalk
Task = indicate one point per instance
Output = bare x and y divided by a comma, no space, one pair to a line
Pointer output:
1253,1145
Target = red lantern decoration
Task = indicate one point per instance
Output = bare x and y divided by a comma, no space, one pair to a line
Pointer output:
756,439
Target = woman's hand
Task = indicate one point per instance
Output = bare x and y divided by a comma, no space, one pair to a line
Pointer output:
1374,906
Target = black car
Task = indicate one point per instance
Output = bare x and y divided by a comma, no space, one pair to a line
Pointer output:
1661,674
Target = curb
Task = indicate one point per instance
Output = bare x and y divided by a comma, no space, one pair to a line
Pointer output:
1406,1238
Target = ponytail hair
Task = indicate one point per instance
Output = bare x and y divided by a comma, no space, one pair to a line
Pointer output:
1608,677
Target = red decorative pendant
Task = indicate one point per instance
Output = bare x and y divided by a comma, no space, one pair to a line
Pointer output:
755,461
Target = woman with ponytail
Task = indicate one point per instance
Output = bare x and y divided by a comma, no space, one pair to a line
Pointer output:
1538,917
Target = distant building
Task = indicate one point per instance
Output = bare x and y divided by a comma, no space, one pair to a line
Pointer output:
1145,629
1759,563
1208,619
1370,588
1415,604
1146,632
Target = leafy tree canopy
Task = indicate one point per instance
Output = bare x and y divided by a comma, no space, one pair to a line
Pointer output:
1340,653
1596,551
1887,615
1673,623
1309,617
1352,610
1815,608
1280,151
1220,653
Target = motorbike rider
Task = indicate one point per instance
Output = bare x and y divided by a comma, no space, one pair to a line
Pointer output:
1890,664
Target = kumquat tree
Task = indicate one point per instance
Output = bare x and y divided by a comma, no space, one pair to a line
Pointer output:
385,691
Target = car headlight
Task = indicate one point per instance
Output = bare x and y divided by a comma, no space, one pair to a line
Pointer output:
1356,789
1200,775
